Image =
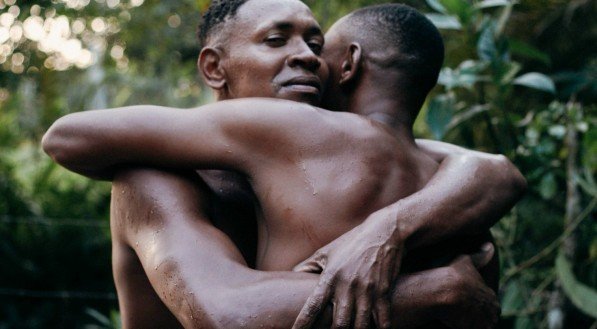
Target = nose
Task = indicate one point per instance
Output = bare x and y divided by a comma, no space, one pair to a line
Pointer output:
306,59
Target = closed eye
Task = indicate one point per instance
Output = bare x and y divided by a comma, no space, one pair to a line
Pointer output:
315,47
275,41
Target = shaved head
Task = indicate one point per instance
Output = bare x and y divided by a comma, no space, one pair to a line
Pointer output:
397,37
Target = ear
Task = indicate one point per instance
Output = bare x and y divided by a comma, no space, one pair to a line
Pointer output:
210,65
351,64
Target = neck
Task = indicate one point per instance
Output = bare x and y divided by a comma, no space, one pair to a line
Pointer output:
379,104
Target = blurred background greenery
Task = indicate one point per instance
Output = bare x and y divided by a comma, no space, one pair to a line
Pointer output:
520,78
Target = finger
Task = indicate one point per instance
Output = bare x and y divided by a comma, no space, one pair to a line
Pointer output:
315,304
397,262
343,310
382,313
483,256
309,267
363,313
313,264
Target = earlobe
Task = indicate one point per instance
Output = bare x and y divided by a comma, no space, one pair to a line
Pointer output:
351,64
210,65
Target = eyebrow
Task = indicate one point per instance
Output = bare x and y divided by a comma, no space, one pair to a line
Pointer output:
285,26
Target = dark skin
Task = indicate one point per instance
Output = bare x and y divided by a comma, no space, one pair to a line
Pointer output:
302,92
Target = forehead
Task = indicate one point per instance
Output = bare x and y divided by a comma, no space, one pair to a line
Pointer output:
262,14
337,34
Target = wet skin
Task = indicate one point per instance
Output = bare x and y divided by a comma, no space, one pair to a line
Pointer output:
301,68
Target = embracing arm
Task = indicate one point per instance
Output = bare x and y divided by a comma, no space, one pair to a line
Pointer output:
201,277
233,134
468,194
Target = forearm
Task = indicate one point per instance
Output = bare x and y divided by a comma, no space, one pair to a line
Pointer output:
98,143
229,135
468,194
201,277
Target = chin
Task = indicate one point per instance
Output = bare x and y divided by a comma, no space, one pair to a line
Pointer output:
311,99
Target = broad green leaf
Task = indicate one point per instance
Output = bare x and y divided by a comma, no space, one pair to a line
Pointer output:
537,81
548,186
460,8
587,183
512,298
486,48
471,66
583,297
465,76
492,3
439,114
558,131
524,49
445,22
523,322
437,6
456,78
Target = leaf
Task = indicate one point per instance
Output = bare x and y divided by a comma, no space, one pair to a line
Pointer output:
493,3
587,186
467,115
558,131
460,8
512,299
439,114
486,48
437,6
548,186
99,317
524,49
523,322
511,70
583,297
537,81
445,22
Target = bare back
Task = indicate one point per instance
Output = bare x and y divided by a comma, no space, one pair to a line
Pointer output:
338,169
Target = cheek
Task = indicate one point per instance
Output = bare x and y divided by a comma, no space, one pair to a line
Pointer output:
324,74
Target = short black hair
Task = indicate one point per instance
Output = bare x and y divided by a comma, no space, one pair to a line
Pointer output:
217,13
415,44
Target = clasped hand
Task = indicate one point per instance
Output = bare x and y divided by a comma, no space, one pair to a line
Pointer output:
358,271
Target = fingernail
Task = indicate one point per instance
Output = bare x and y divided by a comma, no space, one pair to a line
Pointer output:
487,246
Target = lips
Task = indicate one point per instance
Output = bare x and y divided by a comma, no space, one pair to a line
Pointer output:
309,84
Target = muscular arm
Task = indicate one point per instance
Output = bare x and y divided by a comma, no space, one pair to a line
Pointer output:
470,192
200,276
233,134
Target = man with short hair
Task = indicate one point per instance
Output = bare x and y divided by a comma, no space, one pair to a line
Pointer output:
337,169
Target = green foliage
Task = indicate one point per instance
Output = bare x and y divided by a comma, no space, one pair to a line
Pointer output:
520,78
581,296
490,100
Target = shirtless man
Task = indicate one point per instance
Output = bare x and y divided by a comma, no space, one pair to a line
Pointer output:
316,143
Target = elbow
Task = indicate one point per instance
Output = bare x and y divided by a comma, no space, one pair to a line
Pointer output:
72,147
513,178
57,144
223,310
